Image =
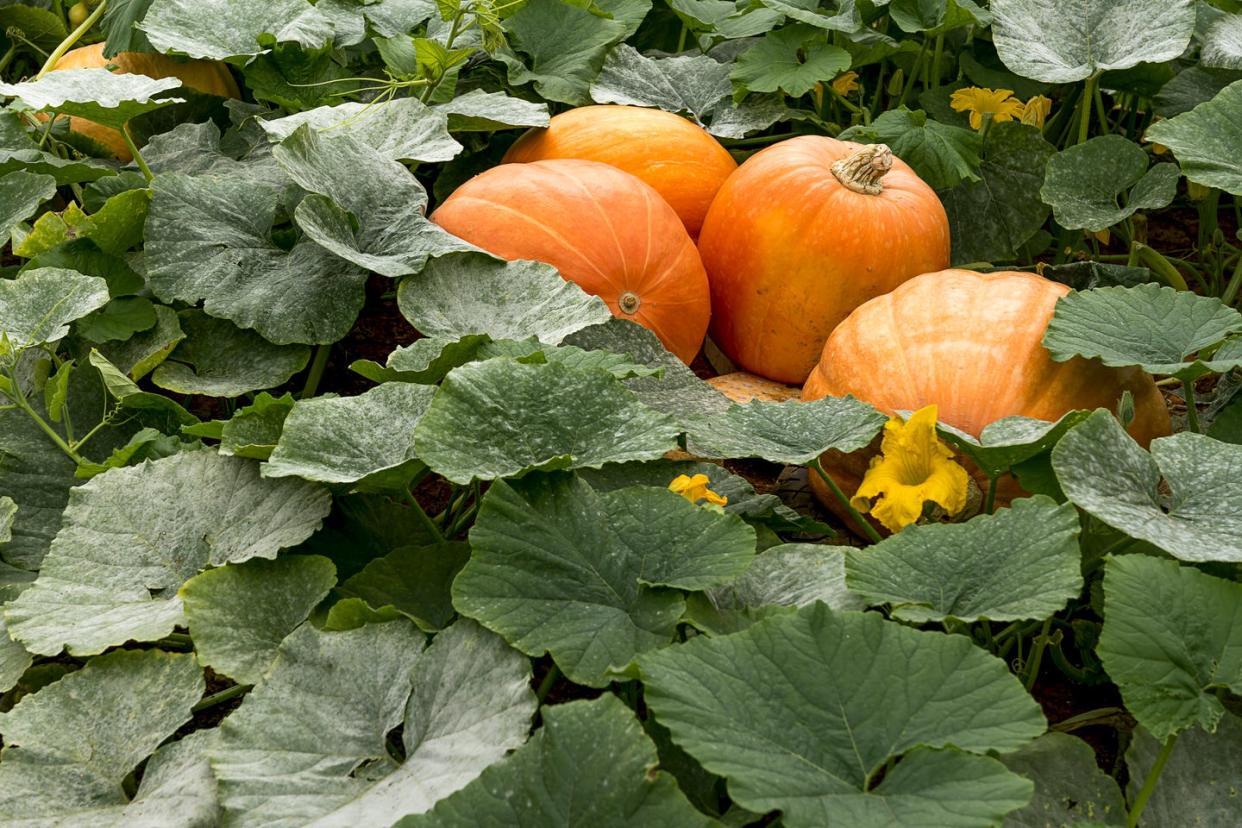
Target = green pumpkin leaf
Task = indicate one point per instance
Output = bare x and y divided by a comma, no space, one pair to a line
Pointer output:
1070,788
501,418
366,440
133,536
791,60
210,238
20,152
107,98
557,567
1222,44
1105,473
779,579
1205,140
218,359
331,699
41,26
1083,183
677,392
473,293
480,111
1200,783
14,660
564,46
1171,637
365,208
255,429
37,476
404,129
239,613
222,29
38,306
590,764
425,361
69,746
942,155
1022,562
414,580
744,704
992,218
1009,441
1152,326
21,193
1062,41
141,353
791,432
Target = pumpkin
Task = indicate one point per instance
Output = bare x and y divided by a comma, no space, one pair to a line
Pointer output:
742,387
804,232
205,76
601,228
679,159
971,344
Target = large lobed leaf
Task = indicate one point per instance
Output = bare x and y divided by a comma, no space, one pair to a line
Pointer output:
1172,637
500,418
590,577
589,766
108,98
1205,140
132,536
309,746
1022,562
1106,474
786,712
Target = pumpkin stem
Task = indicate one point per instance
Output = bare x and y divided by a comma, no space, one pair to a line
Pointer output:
629,302
861,171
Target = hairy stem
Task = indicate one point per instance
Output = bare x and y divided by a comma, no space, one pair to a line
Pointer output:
1149,784
74,36
858,519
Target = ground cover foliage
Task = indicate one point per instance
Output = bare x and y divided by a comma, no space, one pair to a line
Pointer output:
270,558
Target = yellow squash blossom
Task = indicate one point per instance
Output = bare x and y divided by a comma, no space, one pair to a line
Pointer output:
695,489
1035,111
1000,104
845,83
913,467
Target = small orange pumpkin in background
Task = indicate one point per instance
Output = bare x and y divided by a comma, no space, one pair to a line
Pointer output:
804,232
208,77
602,228
971,344
684,163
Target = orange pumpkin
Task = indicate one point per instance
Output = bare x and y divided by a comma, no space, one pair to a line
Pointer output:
205,76
804,232
601,228
679,159
970,343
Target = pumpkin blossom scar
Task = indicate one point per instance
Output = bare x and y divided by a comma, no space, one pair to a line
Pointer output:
999,104
914,467
695,489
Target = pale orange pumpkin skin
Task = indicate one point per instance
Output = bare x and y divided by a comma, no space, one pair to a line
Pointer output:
684,163
205,76
970,343
790,251
604,229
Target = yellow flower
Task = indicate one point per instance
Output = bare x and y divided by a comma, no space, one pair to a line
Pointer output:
1036,111
845,83
913,467
695,489
1000,104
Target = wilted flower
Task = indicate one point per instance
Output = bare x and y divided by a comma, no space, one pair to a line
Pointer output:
1036,111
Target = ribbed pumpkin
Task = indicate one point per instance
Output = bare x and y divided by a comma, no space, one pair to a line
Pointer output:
970,343
804,232
679,159
600,227
205,76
